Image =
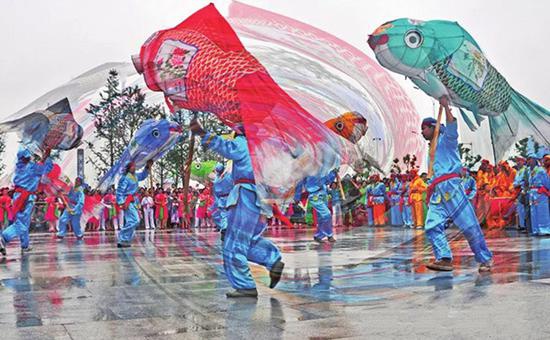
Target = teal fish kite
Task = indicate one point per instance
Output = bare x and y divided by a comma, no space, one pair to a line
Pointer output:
442,59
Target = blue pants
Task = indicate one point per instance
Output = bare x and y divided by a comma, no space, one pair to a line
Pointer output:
459,209
243,242
220,218
20,227
370,216
131,221
540,215
395,215
65,218
324,219
520,209
407,215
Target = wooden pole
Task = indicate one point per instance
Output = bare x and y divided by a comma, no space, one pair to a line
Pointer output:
433,144
340,187
187,170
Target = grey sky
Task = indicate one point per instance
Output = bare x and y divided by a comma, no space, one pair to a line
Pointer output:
46,43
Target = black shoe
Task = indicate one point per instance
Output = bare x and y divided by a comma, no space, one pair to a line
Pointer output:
318,239
123,245
80,238
331,239
26,250
222,235
59,237
486,267
275,273
242,293
443,265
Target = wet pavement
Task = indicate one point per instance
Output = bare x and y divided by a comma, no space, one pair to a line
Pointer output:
371,283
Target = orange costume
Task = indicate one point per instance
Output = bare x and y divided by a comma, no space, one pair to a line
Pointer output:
502,195
485,181
418,188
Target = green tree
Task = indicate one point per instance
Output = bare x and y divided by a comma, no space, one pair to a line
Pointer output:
467,157
117,116
521,147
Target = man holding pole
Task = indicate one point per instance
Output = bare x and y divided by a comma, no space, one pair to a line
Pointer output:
446,196
246,219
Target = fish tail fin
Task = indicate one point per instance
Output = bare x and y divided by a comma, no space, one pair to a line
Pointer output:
522,119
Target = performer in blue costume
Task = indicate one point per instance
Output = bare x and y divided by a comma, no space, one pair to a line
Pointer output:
396,190
73,211
223,183
26,179
469,184
246,218
539,189
127,187
447,199
368,203
521,183
318,198
407,209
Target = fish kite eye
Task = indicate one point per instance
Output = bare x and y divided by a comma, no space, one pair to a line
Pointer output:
413,39
339,126
198,166
155,133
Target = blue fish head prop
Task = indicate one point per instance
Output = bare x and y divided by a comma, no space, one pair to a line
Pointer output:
153,139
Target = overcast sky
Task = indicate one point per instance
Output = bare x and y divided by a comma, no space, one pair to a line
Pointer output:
46,43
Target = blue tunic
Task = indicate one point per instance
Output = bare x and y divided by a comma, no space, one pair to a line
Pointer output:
470,187
27,176
538,200
378,193
129,185
246,218
222,187
449,201
335,196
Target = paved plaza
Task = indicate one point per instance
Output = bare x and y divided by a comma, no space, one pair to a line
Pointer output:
372,283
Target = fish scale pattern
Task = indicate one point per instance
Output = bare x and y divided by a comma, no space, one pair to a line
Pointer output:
495,95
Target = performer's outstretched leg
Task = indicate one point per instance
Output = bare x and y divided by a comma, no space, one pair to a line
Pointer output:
467,221
131,221
63,221
324,219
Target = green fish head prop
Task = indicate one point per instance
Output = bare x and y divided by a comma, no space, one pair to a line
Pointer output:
409,47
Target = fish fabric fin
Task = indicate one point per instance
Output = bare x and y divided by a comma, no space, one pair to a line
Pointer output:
522,119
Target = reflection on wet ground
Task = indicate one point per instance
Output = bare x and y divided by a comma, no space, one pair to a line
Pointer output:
372,281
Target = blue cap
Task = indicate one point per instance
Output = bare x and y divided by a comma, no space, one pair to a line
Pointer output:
429,121
24,153
219,167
